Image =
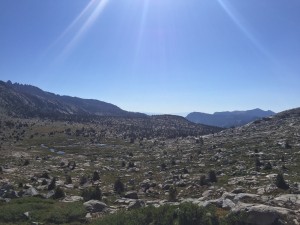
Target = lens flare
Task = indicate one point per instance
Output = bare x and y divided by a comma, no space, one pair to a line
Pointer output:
100,6
238,22
141,32
70,37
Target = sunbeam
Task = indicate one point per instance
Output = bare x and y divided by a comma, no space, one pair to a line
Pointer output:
75,22
233,16
141,32
100,5
87,18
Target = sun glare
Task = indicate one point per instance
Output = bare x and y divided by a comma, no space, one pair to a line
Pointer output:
79,26
238,21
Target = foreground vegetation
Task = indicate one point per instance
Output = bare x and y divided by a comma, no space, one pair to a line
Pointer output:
251,169
45,211
184,214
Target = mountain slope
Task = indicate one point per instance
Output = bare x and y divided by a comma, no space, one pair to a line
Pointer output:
228,119
29,101
275,136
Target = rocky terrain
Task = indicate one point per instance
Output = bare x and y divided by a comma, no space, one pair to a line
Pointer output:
116,164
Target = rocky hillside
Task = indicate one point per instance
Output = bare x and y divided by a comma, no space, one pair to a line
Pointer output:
251,172
27,101
160,126
228,119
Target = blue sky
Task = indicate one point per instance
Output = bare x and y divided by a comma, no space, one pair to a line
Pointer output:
162,56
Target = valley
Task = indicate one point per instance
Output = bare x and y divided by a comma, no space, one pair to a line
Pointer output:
233,170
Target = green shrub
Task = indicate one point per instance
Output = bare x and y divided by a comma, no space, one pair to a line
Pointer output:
212,176
184,214
68,179
172,194
192,215
268,166
91,193
203,180
119,186
44,211
164,215
280,182
83,180
52,184
96,176
59,193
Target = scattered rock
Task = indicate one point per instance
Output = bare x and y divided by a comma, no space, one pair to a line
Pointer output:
72,199
136,204
30,192
131,195
260,214
94,206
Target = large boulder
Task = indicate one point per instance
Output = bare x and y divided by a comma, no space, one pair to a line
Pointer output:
136,204
258,214
10,194
227,204
48,195
246,197
131,195
95,206
72,199
288,199
30,192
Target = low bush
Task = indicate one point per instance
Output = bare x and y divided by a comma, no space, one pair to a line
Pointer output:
44,211
119,186
280,182
91,193
184,214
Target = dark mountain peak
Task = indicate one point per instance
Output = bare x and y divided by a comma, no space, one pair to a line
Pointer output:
9,82
29,89
227,118
24,100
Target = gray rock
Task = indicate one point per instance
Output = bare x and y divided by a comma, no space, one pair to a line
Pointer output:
95,206
30,192
238,190
10,194
27,215
245,196
131,195
260,214
50,194
88,216
181,183
288,199
228,204
72,199
166,186
207,193
6,187
227,195
136,204
216,202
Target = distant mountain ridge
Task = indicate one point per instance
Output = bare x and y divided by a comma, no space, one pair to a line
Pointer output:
228,119
29,101
26,102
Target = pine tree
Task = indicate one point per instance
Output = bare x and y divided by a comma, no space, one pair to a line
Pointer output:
280,182
212,176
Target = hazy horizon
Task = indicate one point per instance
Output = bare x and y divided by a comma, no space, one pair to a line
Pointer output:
165,56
